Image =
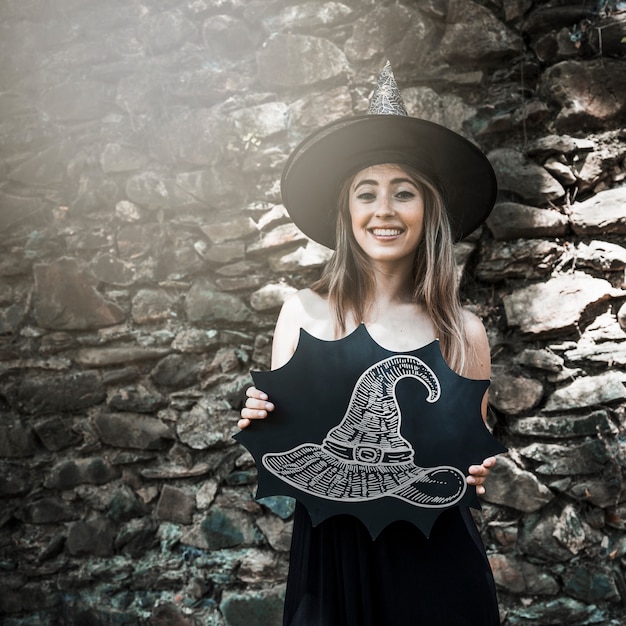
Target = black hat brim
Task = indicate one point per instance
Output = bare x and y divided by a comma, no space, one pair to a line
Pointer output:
319,164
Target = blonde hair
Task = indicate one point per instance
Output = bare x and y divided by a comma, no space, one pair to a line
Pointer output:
348,279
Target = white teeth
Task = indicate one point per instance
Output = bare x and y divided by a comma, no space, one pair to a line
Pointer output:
386,232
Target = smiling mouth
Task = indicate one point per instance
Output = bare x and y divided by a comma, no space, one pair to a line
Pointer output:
386,232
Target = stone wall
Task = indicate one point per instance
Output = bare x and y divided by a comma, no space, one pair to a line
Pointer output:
144,255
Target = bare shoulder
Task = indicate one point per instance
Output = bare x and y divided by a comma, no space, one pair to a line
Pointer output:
479,357
474,328
303,305
303,309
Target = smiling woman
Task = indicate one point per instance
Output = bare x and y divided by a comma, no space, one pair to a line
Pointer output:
390,194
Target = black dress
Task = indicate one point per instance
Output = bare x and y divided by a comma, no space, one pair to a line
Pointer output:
339,576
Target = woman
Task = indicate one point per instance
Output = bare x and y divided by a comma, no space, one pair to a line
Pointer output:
390,194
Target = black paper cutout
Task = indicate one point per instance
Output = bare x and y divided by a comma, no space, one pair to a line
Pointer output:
364,431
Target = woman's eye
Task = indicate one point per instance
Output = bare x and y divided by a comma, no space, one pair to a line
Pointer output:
405,195
366,196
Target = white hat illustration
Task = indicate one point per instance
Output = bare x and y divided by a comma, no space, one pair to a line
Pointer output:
365,457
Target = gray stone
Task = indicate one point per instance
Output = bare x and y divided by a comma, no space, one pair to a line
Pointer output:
510,220
239,228
204,304
308,16
258,566
132,431
287,61
112,270
177,371
153,191
590,94
556,613
118,157
283,506
196,340
50,510
601,214
206,426
473,34
153,305
136,399
588,391
163,30
106,357
55,433
569,530
601,255
43,169
221,529
609,352
561,171
76,100
55,393
228,252
447,110
16,440
394,29
531,182
279,237
537,539
91,537
277,532
261,121
588,457
598,491
136,538
519,259
261,608
219,33
309,113
621,317
70,473
529,494
271,296
540,359
562,427
514,394
591,586
521,577
175,505
65,298
554,307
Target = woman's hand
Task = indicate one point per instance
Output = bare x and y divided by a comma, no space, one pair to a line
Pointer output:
479,473
257,407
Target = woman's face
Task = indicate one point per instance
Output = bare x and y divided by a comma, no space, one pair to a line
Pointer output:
387,213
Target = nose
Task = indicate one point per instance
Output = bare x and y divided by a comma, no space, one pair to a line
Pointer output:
384,207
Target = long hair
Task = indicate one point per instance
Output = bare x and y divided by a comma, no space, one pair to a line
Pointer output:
348,278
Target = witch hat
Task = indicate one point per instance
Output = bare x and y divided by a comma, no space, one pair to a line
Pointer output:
365,457
317,167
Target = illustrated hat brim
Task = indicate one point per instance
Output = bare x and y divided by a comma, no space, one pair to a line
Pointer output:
313,470
319,164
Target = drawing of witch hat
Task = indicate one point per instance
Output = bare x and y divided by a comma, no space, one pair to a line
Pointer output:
365,457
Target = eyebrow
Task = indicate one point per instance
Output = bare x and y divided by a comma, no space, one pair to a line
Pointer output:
394,181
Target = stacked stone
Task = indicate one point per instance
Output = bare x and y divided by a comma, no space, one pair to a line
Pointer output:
144,255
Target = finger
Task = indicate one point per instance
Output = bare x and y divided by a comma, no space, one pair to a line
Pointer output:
253,414
258,405
253,392
243,423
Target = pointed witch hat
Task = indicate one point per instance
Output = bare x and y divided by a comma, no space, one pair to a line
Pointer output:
365,457
319,165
